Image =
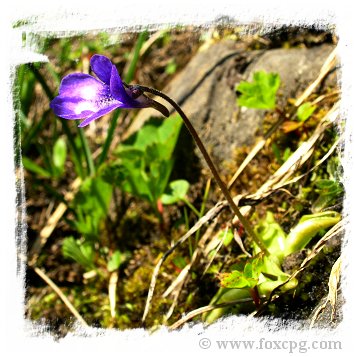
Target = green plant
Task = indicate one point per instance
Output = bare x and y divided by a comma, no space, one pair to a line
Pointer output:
305,111
260,275
261,92
145,161
91,206
81,252
54,163
328,191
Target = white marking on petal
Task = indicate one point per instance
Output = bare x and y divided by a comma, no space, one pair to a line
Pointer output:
88,92
80,107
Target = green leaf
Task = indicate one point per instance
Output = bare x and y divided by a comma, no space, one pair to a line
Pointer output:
307,227
287,153
146,158
180,262
234,280
226,236
169,133
115,261
177,191
59,155
329,191
146,136
304,111
91,205
261,92
81,253
273,236
171,67
33,167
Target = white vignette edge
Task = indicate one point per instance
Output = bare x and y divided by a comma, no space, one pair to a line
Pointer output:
70,19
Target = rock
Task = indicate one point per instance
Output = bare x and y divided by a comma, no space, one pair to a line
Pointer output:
297,68
325,319
205,89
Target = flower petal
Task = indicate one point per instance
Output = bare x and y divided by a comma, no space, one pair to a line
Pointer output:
101,66
99,114
117,89
80,85
72,107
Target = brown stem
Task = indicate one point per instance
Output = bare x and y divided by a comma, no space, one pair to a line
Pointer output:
254,292
211,165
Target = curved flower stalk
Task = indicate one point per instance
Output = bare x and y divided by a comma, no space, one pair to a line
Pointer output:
82,96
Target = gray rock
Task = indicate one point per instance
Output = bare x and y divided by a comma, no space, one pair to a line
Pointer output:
297,68
205,89
325,318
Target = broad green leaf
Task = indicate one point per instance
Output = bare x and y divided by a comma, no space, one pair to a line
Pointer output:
146,158
177,191
146,136
59,155
33,167
159,176
307,227
261,92
304,111
169,134
273,236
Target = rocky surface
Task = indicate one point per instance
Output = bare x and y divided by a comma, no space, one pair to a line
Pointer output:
205,89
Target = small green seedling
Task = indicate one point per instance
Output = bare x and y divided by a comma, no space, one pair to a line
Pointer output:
176,192
305,111
115,261
261,92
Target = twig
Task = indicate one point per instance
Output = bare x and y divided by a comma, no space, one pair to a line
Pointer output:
179,282
327,66
207,217
204,309
56,289
112,286
151,40
254,151
296,160
52,223
324,158
332,293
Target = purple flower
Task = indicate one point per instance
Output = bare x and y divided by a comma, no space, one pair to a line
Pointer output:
82,96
